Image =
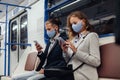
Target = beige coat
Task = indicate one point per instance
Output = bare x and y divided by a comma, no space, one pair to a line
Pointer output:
87,52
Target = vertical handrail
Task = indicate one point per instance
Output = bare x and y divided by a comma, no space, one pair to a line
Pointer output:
5,39
8,49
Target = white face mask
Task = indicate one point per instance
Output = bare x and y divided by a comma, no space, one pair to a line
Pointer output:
51,33
77,27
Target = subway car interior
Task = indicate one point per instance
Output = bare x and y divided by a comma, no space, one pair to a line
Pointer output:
23,21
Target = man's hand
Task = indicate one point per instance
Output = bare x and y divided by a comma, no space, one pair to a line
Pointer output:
41,71
39,47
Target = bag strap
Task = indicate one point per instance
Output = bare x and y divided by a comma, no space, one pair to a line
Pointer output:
78,67
70,58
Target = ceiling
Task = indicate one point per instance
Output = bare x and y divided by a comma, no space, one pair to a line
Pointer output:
2,7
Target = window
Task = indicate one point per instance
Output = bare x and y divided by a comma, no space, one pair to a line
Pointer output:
23,32
14,28
52,3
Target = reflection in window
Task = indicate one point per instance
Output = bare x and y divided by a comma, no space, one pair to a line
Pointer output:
53,2
105,27
23,32
0,30
14,28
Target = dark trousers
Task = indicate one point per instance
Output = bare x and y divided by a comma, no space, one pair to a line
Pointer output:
60,78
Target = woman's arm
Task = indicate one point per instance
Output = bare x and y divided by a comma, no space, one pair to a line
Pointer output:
92,57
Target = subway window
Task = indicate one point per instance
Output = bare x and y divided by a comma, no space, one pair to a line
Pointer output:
14,27
52,3
23,31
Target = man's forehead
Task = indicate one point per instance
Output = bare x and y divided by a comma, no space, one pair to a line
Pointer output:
49,24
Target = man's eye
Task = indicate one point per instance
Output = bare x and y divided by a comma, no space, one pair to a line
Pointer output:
74,23
48,29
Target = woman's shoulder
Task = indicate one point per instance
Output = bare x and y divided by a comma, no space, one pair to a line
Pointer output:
92,34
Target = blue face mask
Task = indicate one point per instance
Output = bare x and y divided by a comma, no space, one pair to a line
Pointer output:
77,27
51,33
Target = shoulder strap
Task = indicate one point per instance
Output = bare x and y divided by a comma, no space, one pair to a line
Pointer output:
85,36
78,67
70,58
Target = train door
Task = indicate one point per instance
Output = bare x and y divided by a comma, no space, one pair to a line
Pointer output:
18,38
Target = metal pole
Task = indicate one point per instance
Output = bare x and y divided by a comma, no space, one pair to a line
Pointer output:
5,39
8,49
2,22
18,44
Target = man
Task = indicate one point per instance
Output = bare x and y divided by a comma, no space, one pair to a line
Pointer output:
52,55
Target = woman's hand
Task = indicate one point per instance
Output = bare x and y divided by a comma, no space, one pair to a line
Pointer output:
64,47
69,44
41,71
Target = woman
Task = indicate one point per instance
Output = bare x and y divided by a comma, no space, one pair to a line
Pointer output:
84,45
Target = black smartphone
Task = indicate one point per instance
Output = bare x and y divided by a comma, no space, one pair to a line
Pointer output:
36,42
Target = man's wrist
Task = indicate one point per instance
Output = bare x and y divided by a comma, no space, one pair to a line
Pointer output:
39,53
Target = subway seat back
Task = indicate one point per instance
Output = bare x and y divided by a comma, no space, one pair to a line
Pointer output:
31,62
110,55
28,62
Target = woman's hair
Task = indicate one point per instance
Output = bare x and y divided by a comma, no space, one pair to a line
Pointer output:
80,15
54,21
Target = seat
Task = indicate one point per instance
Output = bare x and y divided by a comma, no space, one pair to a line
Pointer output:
110,64
31,62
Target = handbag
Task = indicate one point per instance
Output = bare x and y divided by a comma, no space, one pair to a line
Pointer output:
62,72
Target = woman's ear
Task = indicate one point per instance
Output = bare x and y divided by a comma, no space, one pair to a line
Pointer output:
84,22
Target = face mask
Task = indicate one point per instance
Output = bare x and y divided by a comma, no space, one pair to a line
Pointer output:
77,27
51,33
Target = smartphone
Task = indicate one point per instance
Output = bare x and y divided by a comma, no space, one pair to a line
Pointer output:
36,42
62,41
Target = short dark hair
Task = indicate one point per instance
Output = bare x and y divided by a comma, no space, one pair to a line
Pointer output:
55,21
